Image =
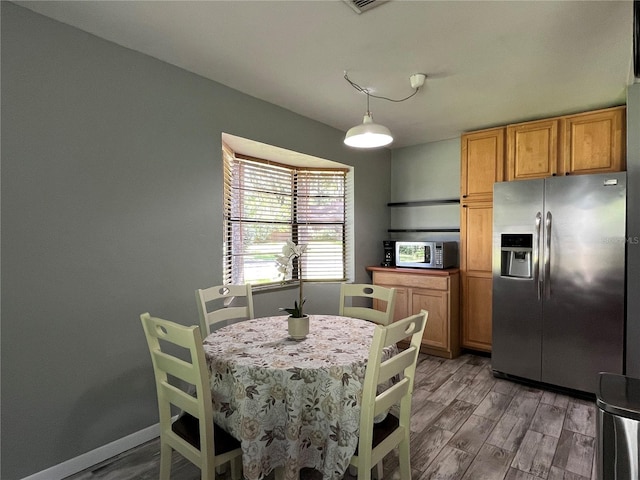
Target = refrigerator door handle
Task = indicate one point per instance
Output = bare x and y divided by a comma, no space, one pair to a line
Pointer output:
536,256
547,256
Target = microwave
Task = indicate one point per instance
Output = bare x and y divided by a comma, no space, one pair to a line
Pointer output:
426,254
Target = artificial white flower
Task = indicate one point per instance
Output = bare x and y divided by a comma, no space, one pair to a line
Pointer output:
284,265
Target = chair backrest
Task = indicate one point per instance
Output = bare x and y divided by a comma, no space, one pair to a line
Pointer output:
163,337
378,372
374,292
223,295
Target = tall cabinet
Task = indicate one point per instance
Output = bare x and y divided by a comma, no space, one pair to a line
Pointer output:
583,143
482,166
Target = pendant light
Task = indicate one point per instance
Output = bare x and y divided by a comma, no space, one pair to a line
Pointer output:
368,134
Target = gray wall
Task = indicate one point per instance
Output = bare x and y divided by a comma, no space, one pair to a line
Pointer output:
633,230
112,206
426,172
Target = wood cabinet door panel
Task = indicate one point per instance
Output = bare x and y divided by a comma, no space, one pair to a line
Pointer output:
402,304
476,237
477,312
436,333
482,163
401,309
594,142
532,150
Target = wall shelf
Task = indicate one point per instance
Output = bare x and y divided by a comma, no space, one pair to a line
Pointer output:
424,203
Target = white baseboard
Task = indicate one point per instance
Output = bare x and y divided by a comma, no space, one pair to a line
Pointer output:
100,454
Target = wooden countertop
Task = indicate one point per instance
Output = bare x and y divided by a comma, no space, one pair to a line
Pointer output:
416,271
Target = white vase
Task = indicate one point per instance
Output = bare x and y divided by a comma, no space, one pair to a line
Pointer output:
298,327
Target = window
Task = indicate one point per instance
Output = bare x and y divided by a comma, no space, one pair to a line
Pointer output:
266,203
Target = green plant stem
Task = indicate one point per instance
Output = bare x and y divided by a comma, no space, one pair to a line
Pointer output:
300,279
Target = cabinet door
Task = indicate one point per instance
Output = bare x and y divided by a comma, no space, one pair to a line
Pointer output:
401,309
477,311
594,142
436,333
476,237
532,150
482,163
402,304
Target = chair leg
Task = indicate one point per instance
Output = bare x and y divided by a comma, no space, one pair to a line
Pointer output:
404,460
364,473
360,472
165,461
379,471
236,468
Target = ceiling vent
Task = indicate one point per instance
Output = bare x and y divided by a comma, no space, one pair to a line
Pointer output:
361,6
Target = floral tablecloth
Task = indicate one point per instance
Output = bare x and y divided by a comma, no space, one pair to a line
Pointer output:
292,404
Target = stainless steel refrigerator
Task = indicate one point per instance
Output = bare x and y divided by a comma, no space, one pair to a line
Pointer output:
559,279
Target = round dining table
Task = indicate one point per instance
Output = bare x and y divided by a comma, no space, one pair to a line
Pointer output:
293,404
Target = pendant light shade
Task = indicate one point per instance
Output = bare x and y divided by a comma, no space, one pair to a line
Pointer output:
372,135
368,134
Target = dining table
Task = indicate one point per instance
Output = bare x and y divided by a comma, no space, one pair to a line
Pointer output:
292,404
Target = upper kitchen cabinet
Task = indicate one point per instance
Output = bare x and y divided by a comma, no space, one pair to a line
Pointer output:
593,142
590,142
482,163
532,149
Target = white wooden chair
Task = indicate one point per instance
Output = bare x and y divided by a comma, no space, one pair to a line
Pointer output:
375,292
224,295
194,434
378,439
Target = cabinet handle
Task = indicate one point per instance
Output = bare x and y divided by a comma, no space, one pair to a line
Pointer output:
464,196
566,173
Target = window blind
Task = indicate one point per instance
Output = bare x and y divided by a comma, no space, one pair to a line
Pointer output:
266,204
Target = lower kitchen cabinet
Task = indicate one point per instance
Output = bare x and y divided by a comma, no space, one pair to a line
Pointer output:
477,311
436,291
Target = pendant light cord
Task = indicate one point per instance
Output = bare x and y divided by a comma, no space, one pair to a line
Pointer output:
369,94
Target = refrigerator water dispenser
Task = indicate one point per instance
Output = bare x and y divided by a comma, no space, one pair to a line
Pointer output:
516,257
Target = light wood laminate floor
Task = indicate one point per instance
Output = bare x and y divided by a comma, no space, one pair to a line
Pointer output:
466,425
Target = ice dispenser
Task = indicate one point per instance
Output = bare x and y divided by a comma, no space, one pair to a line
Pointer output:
516,249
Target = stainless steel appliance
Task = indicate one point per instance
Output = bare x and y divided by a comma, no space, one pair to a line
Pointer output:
618,427
427,254
559,279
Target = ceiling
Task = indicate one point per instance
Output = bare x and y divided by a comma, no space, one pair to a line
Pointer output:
487,63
